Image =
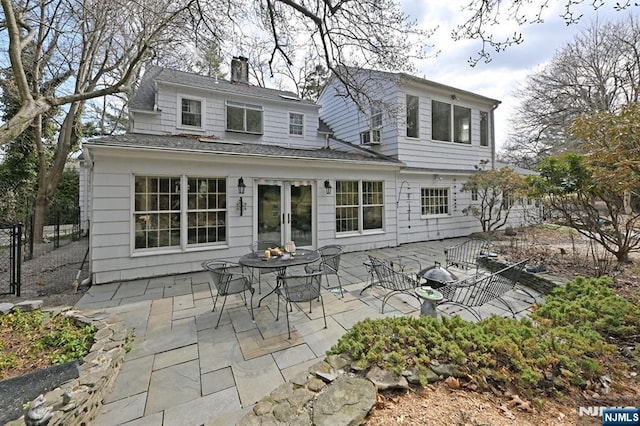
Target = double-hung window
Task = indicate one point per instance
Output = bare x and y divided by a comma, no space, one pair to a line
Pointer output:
450,122
413,114
296,124
244,118
206,210
434,201
159,211
359,206
191,112
374,134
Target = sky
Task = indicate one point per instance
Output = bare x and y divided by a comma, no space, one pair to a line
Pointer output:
508,69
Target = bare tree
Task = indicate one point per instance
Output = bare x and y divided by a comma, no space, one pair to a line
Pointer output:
598,71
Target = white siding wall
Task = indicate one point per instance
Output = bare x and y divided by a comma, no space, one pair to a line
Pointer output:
112,258
275,118
413,226
347,122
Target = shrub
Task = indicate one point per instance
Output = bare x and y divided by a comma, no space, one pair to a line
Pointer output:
561,345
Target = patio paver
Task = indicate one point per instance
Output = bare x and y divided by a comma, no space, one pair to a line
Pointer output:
183,370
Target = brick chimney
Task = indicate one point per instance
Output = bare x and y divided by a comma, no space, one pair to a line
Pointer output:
240,69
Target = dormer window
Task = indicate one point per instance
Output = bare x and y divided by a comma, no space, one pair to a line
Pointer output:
373,135
191,112
244,118
296,124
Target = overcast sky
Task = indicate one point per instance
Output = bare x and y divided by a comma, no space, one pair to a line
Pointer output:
508,69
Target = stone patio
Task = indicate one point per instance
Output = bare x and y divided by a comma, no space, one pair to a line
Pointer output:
182,370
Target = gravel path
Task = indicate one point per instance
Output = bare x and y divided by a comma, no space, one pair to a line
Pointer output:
50,275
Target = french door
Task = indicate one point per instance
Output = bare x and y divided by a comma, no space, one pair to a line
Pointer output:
285,212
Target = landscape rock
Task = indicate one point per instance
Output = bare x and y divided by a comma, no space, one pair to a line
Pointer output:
346,402
28,305
385,379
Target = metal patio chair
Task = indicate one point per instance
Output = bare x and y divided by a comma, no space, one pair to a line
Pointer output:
229,278
392,279
300,288
329,263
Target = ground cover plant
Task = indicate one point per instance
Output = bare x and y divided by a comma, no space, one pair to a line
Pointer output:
33,340
567,343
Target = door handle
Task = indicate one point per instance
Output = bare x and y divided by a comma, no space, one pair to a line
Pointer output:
288,217
283,218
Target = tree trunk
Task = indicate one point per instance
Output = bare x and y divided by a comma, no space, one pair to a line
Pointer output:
48,178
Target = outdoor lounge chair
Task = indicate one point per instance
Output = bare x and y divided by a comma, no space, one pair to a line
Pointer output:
474,292
391,278
465,255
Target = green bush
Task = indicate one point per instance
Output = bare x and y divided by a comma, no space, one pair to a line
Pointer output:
562,344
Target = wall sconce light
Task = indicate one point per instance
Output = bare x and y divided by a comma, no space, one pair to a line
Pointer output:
327,187
437,177
241,206
454,97
241,186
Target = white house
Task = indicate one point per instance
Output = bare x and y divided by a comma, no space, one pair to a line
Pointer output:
209,166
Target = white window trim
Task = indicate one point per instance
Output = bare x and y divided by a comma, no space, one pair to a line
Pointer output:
252,107
489,116
179,124
439,215
184,246
295,135
452,129
406,124
361,231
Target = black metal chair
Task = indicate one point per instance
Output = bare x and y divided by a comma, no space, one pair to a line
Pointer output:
300,288
329,264
391,278
258,248
229,278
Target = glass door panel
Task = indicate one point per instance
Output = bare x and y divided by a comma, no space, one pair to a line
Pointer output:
270,213
301,230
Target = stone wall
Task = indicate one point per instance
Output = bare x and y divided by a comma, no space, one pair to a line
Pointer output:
541,282
77,402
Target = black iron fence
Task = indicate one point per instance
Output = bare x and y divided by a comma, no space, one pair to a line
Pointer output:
36,268
10,258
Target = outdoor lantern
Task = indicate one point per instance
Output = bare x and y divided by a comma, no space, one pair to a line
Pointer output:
241,186
327,186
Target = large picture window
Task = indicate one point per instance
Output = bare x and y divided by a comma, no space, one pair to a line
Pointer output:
191,112
440,121
206,211
434,201
158,211
244,118
413,113
359,206
462,124
443,128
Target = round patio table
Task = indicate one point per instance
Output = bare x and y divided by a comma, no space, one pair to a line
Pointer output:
279,264
430,299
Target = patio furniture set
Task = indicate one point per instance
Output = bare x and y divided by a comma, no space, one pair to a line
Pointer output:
432,287
240,277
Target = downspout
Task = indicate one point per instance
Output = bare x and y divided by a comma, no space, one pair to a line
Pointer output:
493,136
